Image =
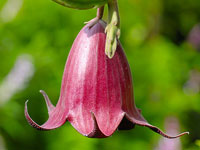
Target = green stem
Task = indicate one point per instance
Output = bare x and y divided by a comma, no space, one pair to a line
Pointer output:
113,28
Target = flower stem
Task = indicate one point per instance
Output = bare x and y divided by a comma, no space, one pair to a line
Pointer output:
113,28
100,11
99,16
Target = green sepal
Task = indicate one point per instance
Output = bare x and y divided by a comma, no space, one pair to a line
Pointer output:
113,34
113,28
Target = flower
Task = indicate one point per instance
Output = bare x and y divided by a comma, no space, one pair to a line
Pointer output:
97,92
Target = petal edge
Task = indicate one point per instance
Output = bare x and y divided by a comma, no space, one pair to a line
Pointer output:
143,122
57,116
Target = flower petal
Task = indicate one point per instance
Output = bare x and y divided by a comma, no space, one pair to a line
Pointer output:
139,120
109,97
50,106
57,116
133,114
96,133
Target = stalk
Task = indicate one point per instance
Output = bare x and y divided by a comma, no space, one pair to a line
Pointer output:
98,17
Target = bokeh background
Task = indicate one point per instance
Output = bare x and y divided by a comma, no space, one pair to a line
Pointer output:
161,39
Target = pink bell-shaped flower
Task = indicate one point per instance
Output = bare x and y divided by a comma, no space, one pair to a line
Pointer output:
97,92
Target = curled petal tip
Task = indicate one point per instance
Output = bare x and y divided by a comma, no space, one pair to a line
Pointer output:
155,129
28,118
143,122
26,102
186,133
43,92
56,119
50,106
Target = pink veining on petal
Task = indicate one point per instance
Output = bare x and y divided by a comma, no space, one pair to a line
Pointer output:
97,93
95,87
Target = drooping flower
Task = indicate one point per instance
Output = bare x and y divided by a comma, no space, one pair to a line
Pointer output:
97,92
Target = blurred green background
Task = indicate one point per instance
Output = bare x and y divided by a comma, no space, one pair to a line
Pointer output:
161,39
